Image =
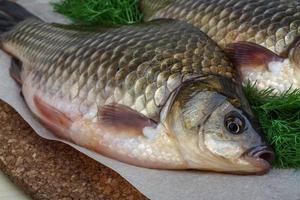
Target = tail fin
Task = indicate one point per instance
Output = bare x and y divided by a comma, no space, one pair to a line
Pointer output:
11,14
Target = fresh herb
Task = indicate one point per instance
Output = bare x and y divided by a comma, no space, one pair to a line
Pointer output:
104,12
279,116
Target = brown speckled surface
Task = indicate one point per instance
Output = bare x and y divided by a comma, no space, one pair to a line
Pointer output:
52,170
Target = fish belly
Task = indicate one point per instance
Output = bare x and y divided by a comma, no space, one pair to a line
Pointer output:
70,76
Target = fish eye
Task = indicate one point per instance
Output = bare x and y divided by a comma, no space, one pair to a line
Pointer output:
234,123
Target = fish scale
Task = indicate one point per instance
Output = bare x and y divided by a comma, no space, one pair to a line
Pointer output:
272,24
159,95
262,37
115,66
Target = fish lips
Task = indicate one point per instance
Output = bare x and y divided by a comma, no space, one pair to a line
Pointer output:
261,157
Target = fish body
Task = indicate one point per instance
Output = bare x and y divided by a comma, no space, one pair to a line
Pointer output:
272,24
157,95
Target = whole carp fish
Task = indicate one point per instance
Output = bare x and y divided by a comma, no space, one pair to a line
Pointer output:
157,95
262,37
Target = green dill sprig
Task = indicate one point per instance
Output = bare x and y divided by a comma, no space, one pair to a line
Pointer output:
101,12
279,116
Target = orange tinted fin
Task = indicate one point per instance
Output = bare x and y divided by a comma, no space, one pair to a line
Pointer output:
124,118
250,55
15,70
51,116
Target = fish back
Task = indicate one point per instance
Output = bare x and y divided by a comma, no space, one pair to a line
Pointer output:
274,24
136,66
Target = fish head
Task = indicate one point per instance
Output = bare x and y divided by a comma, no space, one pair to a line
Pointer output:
216,133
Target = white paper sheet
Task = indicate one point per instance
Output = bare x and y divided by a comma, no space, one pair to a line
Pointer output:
159,184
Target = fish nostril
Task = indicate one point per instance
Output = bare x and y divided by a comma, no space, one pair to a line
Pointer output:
267,155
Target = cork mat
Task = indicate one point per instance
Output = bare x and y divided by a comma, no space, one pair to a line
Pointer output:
52,170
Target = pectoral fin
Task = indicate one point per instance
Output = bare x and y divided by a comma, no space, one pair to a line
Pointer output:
124,119
249,56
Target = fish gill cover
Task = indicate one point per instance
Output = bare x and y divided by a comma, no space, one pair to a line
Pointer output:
279,115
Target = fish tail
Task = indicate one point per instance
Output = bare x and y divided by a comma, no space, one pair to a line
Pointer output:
11,14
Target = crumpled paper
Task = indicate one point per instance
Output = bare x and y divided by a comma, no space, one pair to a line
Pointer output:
159,184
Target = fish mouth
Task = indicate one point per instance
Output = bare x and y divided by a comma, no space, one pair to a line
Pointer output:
261,157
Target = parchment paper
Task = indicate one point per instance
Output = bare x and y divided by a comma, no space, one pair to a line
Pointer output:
159,184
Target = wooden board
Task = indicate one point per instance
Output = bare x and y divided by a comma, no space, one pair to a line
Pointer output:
52,170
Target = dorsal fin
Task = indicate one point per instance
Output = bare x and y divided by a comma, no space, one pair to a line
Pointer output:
247,55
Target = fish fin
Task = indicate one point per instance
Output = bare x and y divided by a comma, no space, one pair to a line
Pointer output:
52,118
15,70
247,55
125,118
105,28
11,14
86,28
